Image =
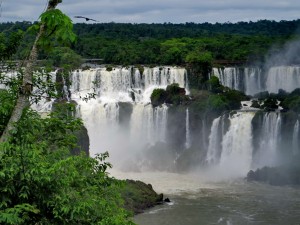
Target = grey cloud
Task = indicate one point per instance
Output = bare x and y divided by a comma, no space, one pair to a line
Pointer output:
157,11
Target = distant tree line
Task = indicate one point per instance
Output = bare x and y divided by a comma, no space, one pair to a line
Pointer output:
124,44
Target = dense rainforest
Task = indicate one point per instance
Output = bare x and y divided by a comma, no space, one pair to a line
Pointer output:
174,44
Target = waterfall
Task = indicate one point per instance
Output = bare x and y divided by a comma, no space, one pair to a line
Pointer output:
163,76
246,79
228,77
214,147
269,139
203,134
112,114
187,130
65,90
160,77
160,115
296,138
148,122
283,77
120,84
251,80
101,114
236,156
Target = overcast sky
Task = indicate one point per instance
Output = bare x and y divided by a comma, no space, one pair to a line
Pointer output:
157,11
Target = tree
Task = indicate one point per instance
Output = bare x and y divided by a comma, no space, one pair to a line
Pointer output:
40,181
53,24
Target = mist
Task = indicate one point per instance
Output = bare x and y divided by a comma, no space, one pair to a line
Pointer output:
288,55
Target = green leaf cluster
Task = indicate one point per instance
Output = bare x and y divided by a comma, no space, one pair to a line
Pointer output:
57,27
9,44
217,98
158,96
64,57
172,95
7,100
42,183
292,101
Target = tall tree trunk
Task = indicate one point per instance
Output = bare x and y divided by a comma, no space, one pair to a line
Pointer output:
26,88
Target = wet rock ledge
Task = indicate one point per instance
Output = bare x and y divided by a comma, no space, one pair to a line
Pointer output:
278,176
139,196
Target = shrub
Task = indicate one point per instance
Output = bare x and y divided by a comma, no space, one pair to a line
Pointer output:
158,97
42,183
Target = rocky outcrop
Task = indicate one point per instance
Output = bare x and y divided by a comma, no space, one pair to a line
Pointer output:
281,175
83,141
139,196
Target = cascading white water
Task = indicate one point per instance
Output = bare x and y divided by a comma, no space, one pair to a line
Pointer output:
212,156
296,138
246,79
65,90
119,84
6,77
160,116
163,76
203,134
251,80
147,125
187,130
148,122
283,77
269,139
228,77
160,77
236,156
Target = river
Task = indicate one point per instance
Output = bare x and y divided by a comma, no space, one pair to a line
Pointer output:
196,200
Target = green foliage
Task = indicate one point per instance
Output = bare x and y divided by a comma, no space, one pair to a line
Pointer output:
158,97
203,50
7,101
9,44
42,183
234,98
56,188
109,68
172,95
140,68
270,104
292,101
64,57
255,104
173,89
217,103
129,44
57,27
139,196
289,101
202,58
214,85
211,102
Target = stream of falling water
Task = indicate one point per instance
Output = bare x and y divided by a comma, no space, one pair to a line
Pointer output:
187,130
